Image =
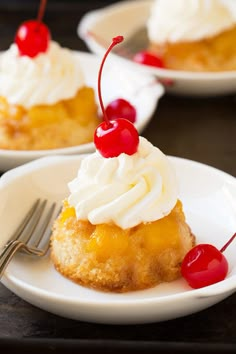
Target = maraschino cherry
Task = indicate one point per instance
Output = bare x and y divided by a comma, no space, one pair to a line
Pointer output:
114,137
148,58
121,108
33,36
204,265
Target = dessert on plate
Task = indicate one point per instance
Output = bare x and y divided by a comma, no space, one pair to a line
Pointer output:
44,100
196,35
122,226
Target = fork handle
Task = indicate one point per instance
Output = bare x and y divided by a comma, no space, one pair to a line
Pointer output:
8,254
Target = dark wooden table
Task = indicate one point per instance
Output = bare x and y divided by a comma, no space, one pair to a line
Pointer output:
199,129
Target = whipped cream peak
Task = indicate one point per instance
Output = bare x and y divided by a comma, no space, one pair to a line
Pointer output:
43,80
189,20
126,190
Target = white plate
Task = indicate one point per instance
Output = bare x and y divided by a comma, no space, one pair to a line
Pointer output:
117,82
209,203
125,18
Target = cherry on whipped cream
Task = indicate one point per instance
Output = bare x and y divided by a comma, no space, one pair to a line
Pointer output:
114,137
33,36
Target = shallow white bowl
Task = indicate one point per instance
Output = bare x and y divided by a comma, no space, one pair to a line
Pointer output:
209,203
125,18
117,82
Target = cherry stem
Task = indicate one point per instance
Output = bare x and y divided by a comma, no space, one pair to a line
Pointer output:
41,11
228,243
115,41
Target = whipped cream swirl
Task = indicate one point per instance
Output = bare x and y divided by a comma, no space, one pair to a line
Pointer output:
45,79
125,190
189,20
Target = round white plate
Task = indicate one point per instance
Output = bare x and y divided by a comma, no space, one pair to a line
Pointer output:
117,82
209,203
97,28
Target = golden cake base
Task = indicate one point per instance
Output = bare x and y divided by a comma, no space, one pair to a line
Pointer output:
67,123
108,258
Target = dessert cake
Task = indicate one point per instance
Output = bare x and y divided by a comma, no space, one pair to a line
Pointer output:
195,35
44,101
122,227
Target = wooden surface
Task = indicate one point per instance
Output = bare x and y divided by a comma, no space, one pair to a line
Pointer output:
199,129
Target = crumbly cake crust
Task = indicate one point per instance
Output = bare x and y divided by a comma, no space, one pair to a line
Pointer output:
108,258
67,123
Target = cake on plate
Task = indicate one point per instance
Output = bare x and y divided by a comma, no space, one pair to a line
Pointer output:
44,100
122,226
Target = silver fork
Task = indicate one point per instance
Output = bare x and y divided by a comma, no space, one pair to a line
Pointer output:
32,235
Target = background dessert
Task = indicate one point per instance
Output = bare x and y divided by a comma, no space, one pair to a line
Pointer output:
194,35
44,101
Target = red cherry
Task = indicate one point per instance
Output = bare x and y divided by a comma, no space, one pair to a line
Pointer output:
33,36
114,137
148,58
120,137
121,108
204,265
